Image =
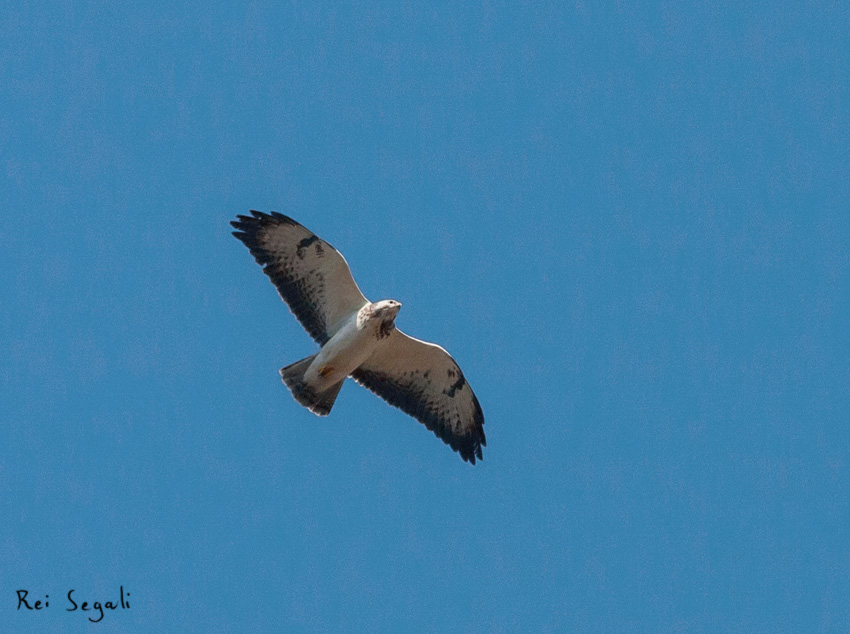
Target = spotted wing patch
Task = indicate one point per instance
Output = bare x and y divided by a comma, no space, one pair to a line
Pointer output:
422,380
310,275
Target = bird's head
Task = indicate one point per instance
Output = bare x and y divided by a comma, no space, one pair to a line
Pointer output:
384,313
386,309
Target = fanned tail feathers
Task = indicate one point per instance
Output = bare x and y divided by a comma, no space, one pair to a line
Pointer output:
320,403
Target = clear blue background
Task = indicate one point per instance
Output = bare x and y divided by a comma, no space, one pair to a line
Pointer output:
628,222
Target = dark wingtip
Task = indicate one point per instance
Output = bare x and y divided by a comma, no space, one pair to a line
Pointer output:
262,218
476,440
471,450
249,227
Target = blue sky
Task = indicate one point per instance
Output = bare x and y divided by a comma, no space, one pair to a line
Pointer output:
628,223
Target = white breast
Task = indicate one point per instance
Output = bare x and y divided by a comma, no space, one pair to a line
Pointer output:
341,355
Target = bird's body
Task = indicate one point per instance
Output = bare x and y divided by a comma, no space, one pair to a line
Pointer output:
353,343
358,338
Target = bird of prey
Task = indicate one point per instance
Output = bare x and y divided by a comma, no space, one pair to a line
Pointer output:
358,338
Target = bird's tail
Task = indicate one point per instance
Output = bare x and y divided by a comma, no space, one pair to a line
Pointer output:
320,403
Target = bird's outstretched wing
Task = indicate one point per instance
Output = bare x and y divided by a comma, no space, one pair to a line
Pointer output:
422,380
311,276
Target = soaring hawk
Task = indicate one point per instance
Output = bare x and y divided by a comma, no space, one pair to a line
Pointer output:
358,338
